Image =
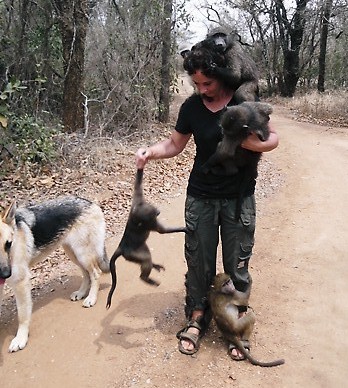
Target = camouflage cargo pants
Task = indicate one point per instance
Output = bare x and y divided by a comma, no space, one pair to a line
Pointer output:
208,221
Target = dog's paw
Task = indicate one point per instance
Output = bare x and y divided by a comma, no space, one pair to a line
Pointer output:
77,295
18,343
89,301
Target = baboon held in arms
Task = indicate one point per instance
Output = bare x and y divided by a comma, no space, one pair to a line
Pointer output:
142,220
237,69
224,300
237,122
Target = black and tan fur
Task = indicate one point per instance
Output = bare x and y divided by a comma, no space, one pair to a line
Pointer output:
29,234
141,221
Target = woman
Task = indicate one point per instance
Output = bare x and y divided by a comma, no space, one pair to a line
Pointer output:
211,199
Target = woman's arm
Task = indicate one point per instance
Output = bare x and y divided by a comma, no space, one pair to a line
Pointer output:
165,149
253,143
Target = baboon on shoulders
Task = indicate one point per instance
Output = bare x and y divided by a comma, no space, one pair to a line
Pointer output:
234,67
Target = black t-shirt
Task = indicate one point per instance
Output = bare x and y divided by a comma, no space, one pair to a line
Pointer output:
194,117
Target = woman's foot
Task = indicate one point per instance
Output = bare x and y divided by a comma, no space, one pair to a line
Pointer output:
235,353
189,337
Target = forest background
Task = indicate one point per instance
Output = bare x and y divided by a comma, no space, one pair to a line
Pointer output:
82,85
77,73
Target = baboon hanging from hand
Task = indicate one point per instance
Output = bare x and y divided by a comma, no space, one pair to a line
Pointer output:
142,220
229,63
224,300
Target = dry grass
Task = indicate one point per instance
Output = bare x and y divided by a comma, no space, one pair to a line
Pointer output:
330,106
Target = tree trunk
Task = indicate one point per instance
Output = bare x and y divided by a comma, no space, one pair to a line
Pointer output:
73,24
164,96
291,35
323,41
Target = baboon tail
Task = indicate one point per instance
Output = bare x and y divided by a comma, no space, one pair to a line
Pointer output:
257,362
138,187
139,178
116,254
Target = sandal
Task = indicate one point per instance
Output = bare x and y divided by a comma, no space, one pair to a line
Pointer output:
194,338
246,345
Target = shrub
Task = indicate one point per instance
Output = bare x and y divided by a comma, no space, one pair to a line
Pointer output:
29,141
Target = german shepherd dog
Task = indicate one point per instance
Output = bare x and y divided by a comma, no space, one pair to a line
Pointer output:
29,234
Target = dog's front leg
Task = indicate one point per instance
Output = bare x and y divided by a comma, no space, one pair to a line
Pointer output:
22,291
2,283
91,300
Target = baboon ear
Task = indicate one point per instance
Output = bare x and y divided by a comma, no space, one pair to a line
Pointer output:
184,53
265,109
269,109
185,50
9,213
265,115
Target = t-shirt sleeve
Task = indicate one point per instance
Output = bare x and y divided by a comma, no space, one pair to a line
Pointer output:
183,125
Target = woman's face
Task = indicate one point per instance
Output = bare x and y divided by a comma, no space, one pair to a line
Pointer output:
208,88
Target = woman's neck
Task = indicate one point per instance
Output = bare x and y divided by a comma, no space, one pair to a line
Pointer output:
214,104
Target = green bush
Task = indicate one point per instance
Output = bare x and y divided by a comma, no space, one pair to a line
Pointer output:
30,141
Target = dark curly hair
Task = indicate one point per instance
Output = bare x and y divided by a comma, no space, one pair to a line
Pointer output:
206,58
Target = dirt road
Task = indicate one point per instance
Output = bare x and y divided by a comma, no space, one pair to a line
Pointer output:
300,271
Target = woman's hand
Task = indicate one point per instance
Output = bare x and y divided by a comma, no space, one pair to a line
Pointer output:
253,143
162,150
142,157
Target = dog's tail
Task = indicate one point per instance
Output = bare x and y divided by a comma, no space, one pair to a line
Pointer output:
104,262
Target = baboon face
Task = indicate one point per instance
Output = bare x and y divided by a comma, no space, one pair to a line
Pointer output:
240,120
235,121
215,40
223,283
145,214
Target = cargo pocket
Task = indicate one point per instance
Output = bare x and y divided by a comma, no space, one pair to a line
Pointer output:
247,242
246,250
191,241
248,212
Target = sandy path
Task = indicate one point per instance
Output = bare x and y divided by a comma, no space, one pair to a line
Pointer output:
299,268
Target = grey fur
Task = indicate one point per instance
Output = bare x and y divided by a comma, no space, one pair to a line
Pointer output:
240,72
237,123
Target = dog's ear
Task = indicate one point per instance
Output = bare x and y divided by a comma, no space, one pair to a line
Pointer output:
9,213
